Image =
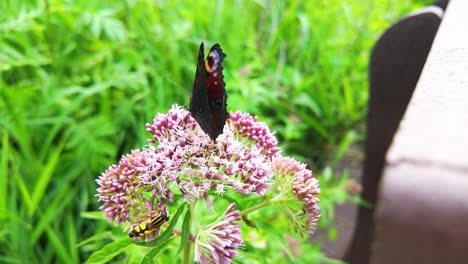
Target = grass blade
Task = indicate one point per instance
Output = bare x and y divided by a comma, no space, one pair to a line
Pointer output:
58,245
63,198
44,179
4,172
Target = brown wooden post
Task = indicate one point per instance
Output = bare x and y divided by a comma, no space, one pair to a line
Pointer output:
422,208
397,60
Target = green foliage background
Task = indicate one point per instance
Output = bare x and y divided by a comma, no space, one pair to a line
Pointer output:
79,79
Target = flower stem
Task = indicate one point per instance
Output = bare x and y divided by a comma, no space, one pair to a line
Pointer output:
255,207
186,257
193,215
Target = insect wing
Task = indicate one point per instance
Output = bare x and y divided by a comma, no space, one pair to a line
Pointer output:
199,106
217,96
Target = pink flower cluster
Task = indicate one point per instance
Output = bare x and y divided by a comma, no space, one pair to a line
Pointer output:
120,189
304,187
218,242
186,155
182,159
248,126
183,154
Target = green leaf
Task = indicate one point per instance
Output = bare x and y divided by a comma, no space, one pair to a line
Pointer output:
239,206
343,146
52,212
97,215
253,257
71,237
154,253
44,179
271,229
96,237
25,194
109,251
57,244
185,232
5,150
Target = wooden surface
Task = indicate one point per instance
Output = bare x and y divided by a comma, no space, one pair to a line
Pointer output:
423,204
396,62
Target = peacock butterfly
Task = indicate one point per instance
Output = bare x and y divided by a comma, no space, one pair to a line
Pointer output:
208,100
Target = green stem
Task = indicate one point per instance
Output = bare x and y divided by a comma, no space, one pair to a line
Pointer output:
187,250
255,207
192,213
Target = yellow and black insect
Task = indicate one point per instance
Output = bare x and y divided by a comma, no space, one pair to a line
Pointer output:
151,225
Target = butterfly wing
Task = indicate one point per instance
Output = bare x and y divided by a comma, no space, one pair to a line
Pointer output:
217,96
199,105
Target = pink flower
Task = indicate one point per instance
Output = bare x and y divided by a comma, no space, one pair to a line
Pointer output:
258,132
294,177
122,192
218,242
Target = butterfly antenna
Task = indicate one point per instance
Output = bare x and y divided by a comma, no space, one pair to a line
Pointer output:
173,83
178,86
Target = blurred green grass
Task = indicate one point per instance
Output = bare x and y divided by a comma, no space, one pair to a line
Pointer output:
79,79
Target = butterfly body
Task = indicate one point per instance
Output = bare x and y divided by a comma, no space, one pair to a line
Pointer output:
208,100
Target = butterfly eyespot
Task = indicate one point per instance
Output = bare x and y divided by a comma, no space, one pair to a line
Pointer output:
218,103
212,62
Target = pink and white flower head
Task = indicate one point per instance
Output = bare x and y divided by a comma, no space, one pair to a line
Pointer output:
182,160
122,191
218,242
182,154
248,127
296,181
